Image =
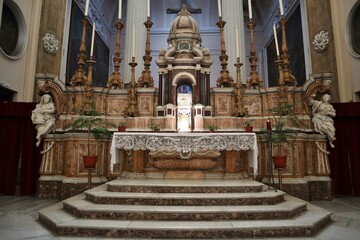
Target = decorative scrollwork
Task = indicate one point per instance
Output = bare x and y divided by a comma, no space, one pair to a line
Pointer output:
321,41
191,149
50,43
184,144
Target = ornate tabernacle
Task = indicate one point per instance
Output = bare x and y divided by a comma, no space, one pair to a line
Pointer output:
184,106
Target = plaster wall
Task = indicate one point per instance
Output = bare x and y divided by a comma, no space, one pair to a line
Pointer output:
19,73
348,64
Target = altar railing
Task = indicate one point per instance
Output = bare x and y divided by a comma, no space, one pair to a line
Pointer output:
186,144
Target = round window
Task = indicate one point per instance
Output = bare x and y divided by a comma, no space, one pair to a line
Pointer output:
12,30
353,24
355,30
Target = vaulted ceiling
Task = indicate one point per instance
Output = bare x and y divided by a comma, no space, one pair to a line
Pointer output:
108,11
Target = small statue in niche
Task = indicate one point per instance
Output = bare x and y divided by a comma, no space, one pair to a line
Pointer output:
44,117
323,112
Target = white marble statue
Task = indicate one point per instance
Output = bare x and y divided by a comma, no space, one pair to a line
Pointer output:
323,112
44,117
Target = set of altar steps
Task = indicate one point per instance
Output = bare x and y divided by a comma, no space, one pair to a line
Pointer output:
187,209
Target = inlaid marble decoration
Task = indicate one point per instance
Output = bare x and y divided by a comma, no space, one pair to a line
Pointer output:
116,106
323,167
145,105
253,104
223,105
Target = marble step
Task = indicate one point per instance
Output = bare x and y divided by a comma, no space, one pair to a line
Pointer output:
100,195
64,223
85,209
185,186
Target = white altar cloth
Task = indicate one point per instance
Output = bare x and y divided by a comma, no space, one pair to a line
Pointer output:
185,144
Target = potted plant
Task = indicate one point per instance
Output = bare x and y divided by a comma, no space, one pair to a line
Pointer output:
283,115
122,127
94,125
213,128
248,125
154,127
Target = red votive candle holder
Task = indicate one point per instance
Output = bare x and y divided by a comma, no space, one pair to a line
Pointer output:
268,124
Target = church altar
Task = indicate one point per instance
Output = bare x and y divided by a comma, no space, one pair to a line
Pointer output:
184,102
186,144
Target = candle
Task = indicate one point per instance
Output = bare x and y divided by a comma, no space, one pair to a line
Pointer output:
268,124
276,41
148,8
281,8
87,7
250,9
237,41
120,9
219,7
92,41
133,41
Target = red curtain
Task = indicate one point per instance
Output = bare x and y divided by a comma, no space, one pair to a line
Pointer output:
17,146
345,157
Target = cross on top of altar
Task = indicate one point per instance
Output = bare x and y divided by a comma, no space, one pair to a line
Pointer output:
184,4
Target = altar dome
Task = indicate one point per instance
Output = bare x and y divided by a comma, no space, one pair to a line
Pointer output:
184,27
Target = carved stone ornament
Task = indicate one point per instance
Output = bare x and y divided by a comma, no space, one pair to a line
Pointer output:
186,144
321,41
50,43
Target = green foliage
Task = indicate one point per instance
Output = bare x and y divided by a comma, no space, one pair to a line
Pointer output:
283,116
122,124
154,127
92,123
249,122
213,127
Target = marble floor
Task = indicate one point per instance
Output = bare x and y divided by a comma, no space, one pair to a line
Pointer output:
19,219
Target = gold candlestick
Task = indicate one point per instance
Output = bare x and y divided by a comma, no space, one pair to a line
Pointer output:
225,80
131,110
282,86
88,86
289,78
115,80
239,110
79,78
254,79
146,80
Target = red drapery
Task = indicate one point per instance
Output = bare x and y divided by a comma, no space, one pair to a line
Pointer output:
345,157
17,146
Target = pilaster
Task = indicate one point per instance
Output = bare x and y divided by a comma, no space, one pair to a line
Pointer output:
320,19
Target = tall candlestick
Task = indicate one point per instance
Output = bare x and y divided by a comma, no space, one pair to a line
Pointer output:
87,7
250,9
281,8
92,41
237,41
219,7
276,41
148,8
120,9
133,41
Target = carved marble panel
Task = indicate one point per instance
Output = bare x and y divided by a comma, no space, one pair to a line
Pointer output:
117,105
253,104
145,105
